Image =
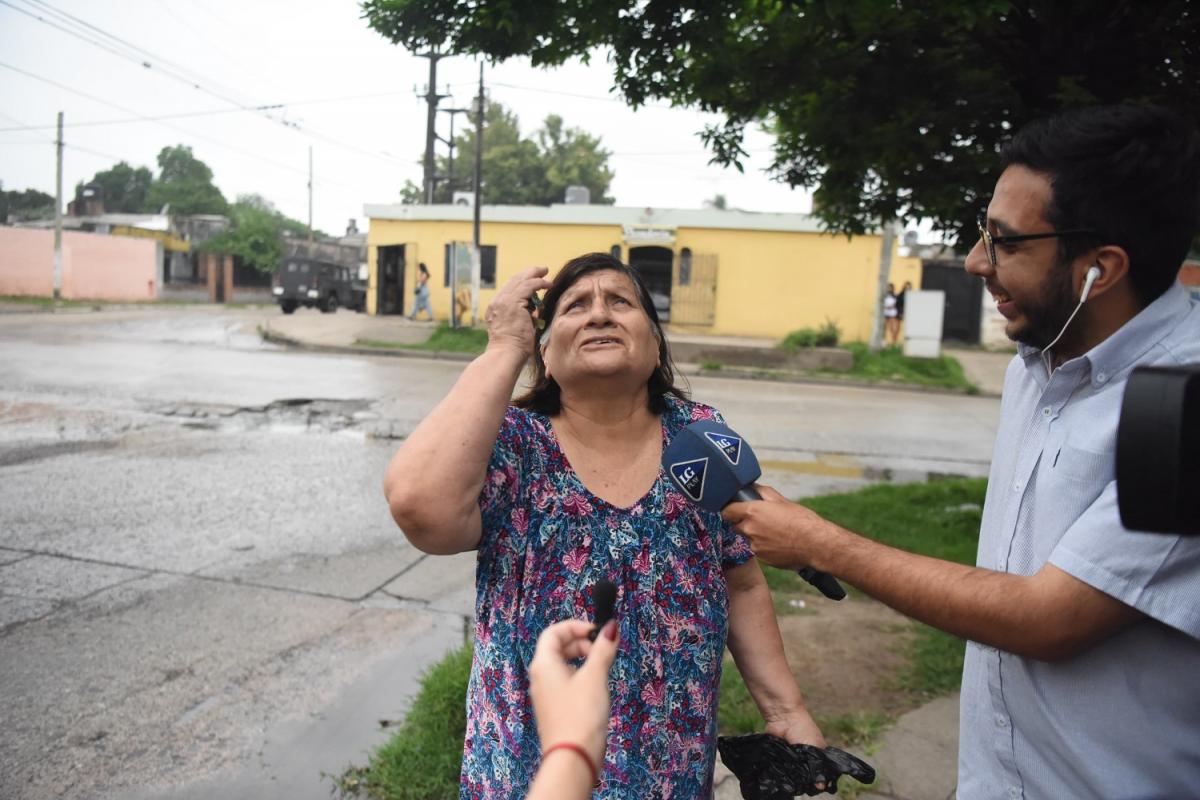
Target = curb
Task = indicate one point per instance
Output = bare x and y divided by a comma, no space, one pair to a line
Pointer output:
399,352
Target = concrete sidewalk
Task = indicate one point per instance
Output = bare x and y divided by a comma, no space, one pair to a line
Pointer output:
347,331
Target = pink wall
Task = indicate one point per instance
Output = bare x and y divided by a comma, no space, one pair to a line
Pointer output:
94,266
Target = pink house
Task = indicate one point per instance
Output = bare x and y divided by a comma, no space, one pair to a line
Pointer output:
94,266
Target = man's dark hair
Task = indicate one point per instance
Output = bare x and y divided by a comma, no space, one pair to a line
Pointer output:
1131,173
545,396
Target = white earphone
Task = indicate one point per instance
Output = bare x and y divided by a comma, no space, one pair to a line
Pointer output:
1092,274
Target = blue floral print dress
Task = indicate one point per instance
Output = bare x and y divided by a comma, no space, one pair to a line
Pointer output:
546,539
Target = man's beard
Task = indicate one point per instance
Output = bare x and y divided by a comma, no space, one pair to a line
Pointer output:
1046,319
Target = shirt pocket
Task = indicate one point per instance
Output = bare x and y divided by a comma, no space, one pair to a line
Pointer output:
1086,467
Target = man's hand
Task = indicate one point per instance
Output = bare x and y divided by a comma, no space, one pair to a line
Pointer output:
782,533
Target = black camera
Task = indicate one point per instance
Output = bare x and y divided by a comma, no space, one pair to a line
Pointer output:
1158,450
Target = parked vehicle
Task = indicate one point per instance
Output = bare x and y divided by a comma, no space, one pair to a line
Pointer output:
318,284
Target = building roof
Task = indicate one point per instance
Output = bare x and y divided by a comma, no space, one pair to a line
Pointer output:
563,214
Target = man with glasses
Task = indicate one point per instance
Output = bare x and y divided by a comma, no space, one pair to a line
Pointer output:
1082,674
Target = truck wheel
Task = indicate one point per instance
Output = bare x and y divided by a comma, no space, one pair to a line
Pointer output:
331,304
288,308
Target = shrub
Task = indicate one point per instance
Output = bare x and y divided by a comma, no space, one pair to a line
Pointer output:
827,335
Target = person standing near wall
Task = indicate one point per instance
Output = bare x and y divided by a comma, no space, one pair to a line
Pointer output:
422,293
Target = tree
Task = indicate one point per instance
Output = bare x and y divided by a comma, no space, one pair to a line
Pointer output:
125,188
26,205
523,171
185,185
254,234
889,110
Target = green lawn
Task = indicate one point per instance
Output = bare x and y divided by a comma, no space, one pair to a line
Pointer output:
940,518
444,339
890,364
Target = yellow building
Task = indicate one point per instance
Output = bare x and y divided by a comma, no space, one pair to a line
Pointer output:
719,272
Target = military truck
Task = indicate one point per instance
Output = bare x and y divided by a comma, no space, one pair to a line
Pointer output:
319,284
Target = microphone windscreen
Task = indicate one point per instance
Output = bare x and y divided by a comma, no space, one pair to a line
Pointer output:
604,596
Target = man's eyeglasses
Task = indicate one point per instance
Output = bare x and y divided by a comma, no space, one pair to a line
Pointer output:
990,242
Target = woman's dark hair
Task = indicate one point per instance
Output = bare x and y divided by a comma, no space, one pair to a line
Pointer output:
545,397
1129,172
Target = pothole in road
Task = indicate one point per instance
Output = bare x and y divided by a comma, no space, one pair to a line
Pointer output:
290,415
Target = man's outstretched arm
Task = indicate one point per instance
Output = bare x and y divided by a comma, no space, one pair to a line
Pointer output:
1050,615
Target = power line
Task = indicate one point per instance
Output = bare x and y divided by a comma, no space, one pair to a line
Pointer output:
205,113
185,131
71,20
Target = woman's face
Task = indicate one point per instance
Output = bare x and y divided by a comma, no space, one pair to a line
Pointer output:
600,330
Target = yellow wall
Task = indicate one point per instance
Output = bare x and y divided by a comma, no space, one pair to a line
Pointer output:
768,282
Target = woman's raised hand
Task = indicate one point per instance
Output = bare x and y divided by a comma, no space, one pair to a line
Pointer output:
509,323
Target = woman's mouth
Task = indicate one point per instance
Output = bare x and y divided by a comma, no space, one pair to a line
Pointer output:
602,341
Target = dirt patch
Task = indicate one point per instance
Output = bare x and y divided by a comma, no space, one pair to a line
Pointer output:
848,656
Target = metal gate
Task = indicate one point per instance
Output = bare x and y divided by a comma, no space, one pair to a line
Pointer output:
694,288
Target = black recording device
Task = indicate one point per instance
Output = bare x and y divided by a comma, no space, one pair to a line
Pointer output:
604,598
1158,450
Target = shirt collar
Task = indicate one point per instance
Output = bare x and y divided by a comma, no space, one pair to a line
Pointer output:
1120,350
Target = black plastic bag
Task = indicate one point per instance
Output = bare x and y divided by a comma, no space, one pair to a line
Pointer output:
768,768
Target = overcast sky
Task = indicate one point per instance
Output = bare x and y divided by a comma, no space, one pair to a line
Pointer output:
343,89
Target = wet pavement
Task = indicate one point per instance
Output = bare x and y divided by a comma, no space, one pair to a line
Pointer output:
201,591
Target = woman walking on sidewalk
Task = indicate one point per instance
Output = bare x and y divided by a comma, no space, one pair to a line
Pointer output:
422,292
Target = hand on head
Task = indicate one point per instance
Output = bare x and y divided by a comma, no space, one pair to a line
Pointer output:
508,319
572,705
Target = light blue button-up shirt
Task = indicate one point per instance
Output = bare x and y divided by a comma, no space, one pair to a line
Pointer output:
1121,719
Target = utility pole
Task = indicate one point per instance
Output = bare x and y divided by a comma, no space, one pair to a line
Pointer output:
887,240
453,112
310,235
58,203
478,155
431,99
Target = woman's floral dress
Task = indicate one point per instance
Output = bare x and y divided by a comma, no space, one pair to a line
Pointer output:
546,540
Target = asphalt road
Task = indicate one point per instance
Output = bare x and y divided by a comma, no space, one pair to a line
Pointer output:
201,592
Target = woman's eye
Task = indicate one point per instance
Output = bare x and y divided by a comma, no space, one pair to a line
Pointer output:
620,301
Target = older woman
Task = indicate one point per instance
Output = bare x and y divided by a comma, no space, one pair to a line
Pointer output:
565,488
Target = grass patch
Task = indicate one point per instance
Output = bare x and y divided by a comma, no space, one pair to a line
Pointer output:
890,364
708,365
444,339
825,336
423,759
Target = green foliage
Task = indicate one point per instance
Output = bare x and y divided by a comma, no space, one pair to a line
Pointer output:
825,336
935,662
519,170
444,339
254,233
25,205
125,188
890,364
423,759
184,185
887,110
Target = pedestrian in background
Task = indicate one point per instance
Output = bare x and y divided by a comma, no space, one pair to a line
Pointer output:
891,320
421,290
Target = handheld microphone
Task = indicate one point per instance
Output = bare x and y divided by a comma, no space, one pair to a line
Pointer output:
714,467
604,595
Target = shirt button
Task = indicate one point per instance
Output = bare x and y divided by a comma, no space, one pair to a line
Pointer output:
1101,377
1014,792
1046,411
1016,486
1001,721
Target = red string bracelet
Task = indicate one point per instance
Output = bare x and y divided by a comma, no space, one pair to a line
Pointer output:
574,748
